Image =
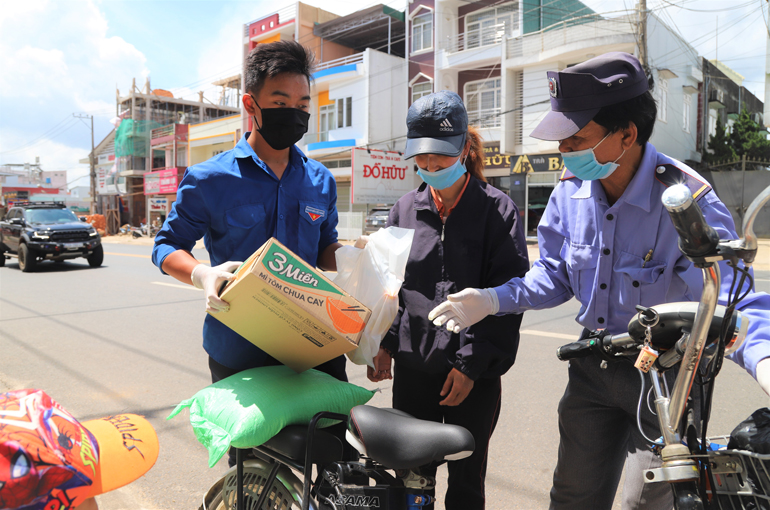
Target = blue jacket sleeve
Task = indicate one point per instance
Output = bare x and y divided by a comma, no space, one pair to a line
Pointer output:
187,222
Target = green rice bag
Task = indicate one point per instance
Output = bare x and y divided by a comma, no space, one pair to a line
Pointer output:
250,407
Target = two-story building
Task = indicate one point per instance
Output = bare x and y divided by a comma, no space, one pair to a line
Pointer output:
722,96
141,148
358,92
496,56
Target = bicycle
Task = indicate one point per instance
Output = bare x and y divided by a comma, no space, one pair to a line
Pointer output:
388,448
696,337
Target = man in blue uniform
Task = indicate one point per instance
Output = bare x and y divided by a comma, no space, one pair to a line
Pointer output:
606,239
264,187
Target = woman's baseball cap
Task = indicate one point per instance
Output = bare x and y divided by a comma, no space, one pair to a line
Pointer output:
49,457
436,124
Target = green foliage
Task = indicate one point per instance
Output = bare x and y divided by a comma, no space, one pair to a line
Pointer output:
720,146
749,138
746,137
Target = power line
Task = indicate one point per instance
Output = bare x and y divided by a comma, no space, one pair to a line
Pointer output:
49,135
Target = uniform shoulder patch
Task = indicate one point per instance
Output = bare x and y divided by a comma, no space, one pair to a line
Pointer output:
669,175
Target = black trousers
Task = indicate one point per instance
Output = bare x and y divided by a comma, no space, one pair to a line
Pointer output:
335,368
418,394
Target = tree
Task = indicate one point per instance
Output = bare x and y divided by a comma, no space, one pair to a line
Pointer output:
749,138
719,146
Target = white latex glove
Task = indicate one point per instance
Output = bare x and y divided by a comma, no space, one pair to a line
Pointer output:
361,242
763,374
465,308
210,279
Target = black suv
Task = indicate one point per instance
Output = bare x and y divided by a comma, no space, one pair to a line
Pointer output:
33,231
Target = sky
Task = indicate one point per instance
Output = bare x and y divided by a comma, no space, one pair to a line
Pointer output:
65,57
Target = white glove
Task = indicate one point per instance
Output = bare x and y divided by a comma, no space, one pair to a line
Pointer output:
361,242
465,308
210,279
763,374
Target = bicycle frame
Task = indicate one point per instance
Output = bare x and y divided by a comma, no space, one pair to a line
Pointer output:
678,464
405,491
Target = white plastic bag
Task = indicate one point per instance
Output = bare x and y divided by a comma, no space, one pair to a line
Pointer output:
373,276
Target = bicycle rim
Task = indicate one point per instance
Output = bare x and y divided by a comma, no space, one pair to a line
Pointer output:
281,494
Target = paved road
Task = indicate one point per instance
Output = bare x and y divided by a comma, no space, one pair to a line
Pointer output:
124,338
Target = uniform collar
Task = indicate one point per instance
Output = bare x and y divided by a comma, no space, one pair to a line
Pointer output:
639,189
244,150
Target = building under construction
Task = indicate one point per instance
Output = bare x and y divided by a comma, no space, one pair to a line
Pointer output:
141,112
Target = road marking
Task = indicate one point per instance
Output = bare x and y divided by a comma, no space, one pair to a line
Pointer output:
761,280
177,285
549,334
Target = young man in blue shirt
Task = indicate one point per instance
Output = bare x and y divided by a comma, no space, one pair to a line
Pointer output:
264,187
607,240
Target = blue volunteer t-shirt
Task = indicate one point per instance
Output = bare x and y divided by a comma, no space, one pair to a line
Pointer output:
236,203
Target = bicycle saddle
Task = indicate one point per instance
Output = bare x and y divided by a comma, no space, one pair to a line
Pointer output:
400,441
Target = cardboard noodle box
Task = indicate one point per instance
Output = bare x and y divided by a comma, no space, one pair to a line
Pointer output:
290,310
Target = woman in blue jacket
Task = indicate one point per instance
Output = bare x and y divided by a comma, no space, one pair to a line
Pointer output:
467,233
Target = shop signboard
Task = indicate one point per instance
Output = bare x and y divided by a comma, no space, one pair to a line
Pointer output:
159,205
527,163
101,177
494,159
380,177
161,182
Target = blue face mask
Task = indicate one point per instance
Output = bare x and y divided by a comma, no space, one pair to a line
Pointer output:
584,166
442,179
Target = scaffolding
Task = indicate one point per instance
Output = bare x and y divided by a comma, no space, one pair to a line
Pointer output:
142,111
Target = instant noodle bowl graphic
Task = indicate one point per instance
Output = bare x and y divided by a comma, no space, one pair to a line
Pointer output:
346,319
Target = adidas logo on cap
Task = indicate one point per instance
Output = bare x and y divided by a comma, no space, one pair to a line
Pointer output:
446,126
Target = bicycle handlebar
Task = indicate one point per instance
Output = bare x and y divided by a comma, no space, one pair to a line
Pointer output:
675,320
696,237
597,343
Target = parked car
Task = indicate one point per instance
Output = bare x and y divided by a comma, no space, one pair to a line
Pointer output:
377,219
36,231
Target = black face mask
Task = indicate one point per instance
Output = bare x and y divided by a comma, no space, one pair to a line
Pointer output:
282,127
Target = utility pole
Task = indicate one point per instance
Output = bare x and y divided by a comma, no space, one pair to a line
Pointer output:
91,160
766,116
642,25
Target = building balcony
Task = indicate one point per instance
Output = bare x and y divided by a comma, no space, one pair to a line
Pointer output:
319,144
344,67
573,35
489,118
167,134
270,25
488,36
716,100
470,50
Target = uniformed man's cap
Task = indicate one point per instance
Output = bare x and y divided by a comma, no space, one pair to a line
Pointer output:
436,124
580,91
